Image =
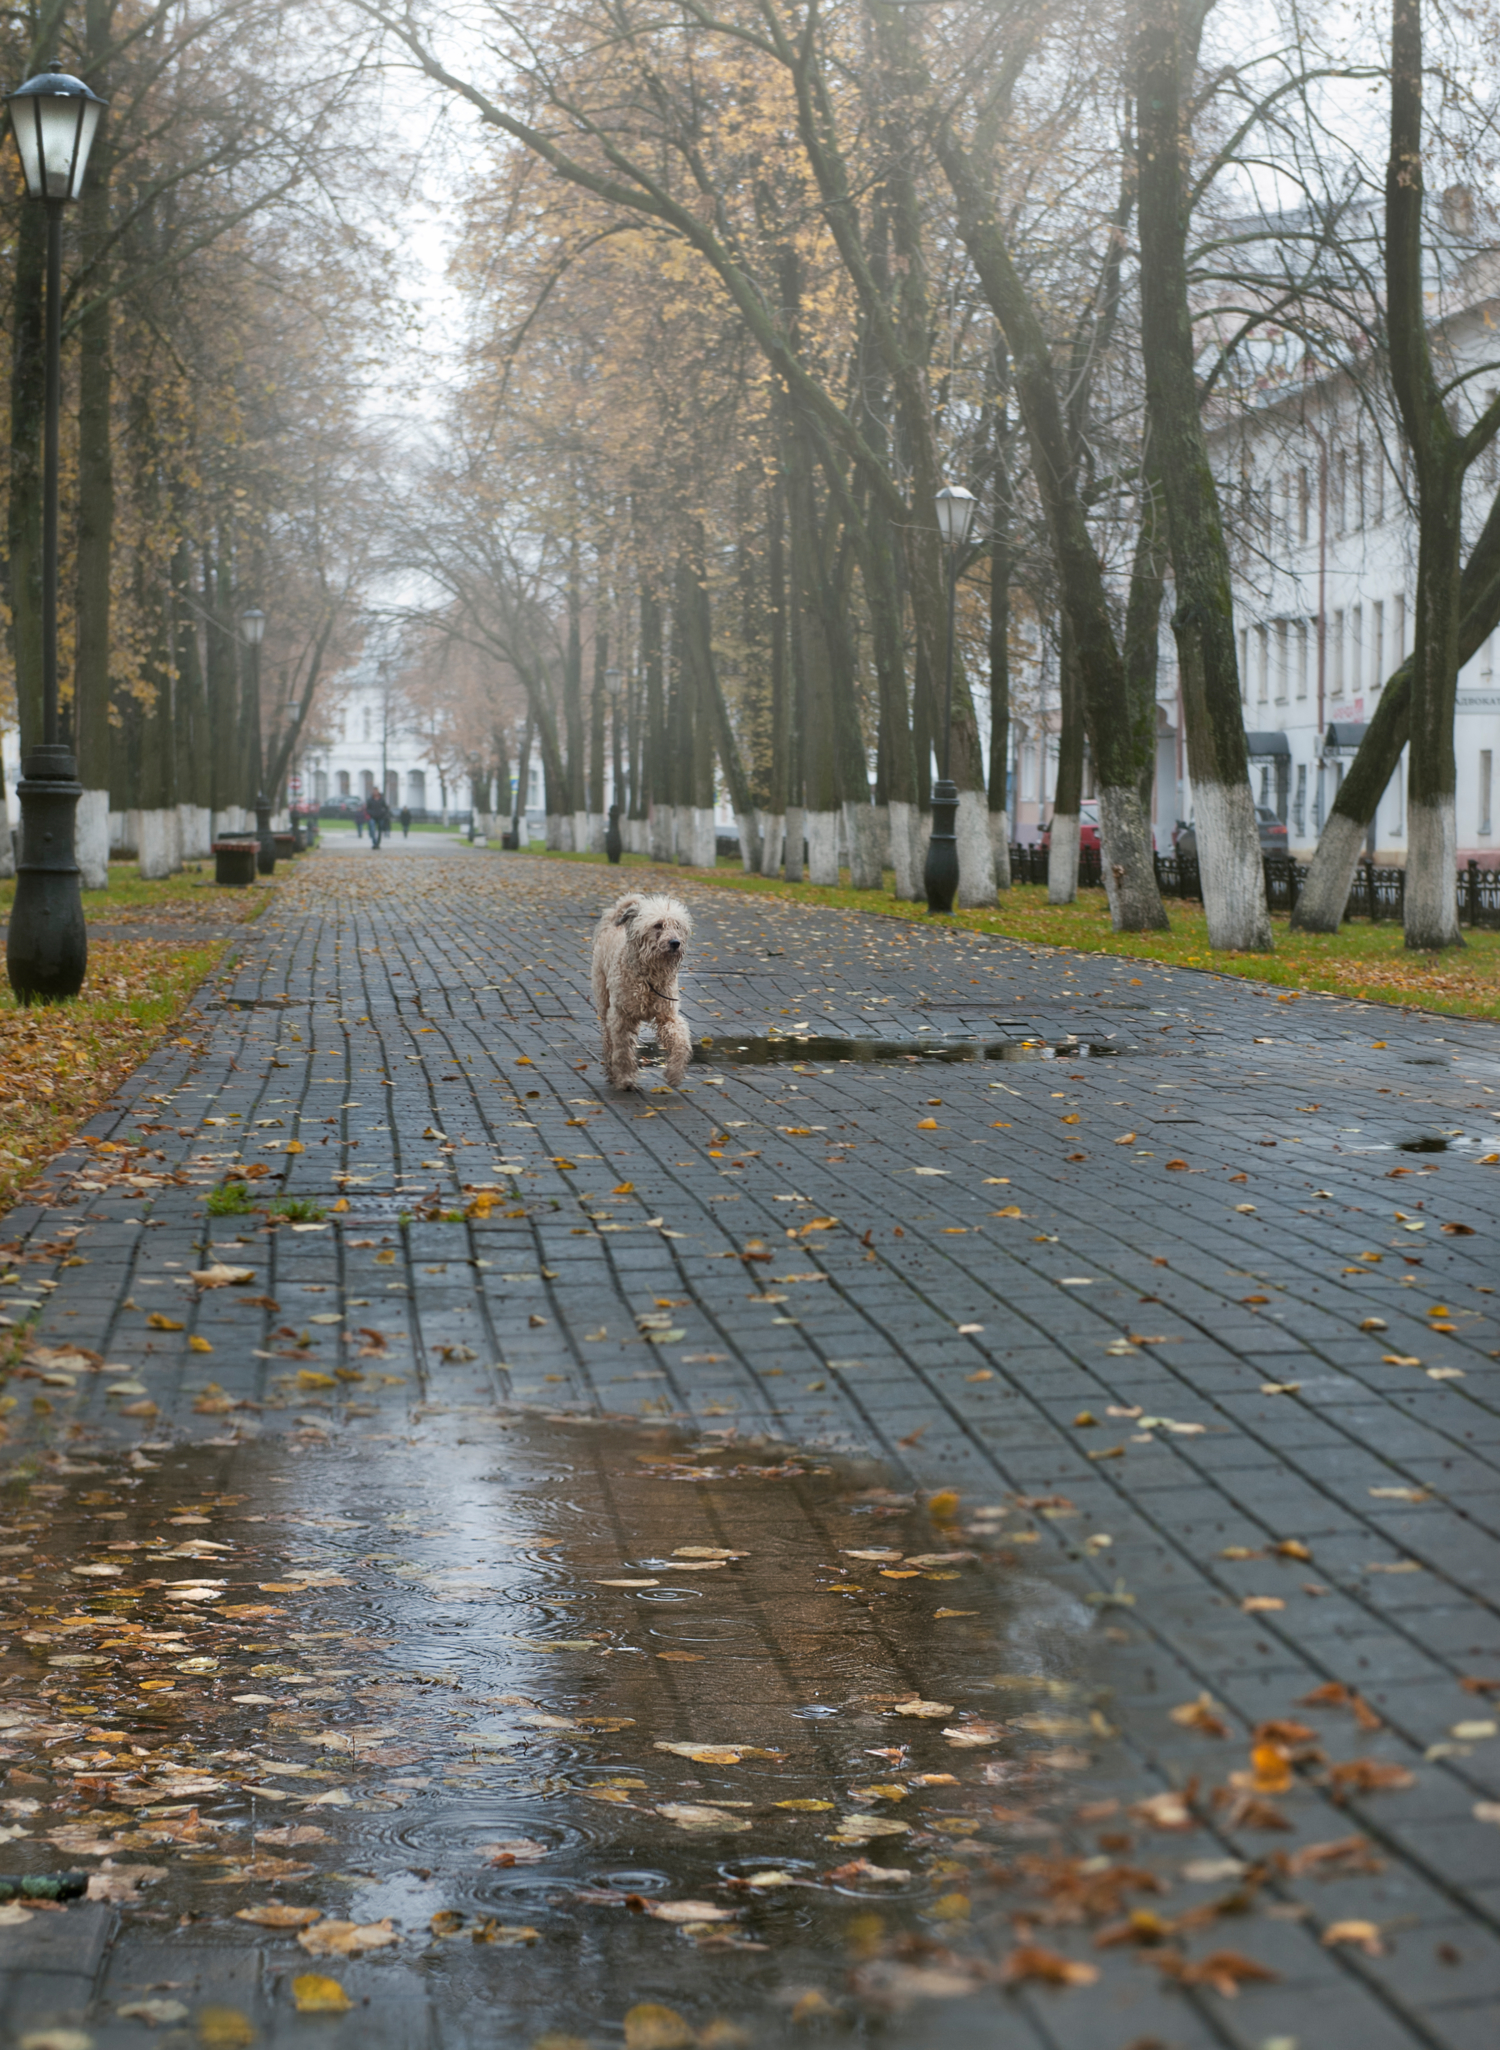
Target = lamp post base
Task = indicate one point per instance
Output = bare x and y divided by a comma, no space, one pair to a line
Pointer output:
614,845
940,875
265,860
47,949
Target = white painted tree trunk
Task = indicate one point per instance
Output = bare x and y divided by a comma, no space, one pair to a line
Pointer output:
745,823
195,823
796,834
921,841
1129,871
976,860
581,839
1230,868
772,842
823,848
90,839
862,823
905,859
556,826
701,839
882,816
7,849
1431,914
1330,874
1000,847
121,845
156,843
1062,859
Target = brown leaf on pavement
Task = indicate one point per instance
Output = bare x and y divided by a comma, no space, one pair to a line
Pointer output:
1030,1962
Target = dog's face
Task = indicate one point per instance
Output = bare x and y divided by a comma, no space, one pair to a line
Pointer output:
659,928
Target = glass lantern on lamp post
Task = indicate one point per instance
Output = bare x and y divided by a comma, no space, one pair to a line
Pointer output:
55,119
955,516
614,845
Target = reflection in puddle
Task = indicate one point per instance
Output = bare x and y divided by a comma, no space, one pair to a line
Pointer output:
725,1730
788,1046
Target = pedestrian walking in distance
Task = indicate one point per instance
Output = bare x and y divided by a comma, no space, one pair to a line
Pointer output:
405,821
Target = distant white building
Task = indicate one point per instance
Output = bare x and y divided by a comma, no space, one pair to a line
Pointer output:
373,747
1325,571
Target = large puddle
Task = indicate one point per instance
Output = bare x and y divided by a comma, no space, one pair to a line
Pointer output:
536,1733
793,1047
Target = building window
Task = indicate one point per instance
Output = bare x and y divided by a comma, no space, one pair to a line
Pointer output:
343,782
1336,655
1398,631
1486,781
416,789
1303,643
1299,807
1282,627
1377,645
1262,664
1304,505
1356,648
369,716
1245,664
1028,772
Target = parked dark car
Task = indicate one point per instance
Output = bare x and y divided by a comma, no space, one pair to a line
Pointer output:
1272,834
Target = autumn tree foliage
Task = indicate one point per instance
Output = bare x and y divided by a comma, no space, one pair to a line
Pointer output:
218,314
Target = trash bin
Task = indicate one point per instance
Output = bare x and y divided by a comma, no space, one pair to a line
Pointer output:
234,862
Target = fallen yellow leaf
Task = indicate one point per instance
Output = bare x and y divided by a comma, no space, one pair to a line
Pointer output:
316,1995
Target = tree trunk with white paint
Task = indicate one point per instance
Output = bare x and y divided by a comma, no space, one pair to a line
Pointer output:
772,842
905,860
862,823
1062,858
91,840
823,848
1234,898
1129,872
796,834
976,857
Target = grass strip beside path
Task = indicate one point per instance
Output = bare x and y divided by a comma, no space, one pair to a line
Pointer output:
1360,960
60,1062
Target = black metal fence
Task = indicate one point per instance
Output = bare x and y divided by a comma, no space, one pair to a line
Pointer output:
1376,893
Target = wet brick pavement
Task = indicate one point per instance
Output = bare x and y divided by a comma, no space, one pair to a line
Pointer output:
1254,1245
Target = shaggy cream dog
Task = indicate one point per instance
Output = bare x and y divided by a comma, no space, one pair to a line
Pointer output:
638,949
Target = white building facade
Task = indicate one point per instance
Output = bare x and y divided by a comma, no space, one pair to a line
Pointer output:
373,746
1325,589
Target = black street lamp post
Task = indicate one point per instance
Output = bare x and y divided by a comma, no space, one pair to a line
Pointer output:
253,627
55,118
614,845
955,511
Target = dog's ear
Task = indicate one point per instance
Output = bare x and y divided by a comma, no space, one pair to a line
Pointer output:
626,910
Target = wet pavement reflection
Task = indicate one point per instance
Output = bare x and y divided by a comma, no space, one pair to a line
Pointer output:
569,1734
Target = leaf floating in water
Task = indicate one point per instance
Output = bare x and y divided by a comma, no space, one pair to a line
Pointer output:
316,1995
346,1939
924,1711
650,2027
698,1818
279,1914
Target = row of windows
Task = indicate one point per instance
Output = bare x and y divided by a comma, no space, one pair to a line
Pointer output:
338,783
1279,659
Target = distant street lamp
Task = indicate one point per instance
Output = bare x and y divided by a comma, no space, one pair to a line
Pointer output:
55,119
614,845
955,514
253,631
